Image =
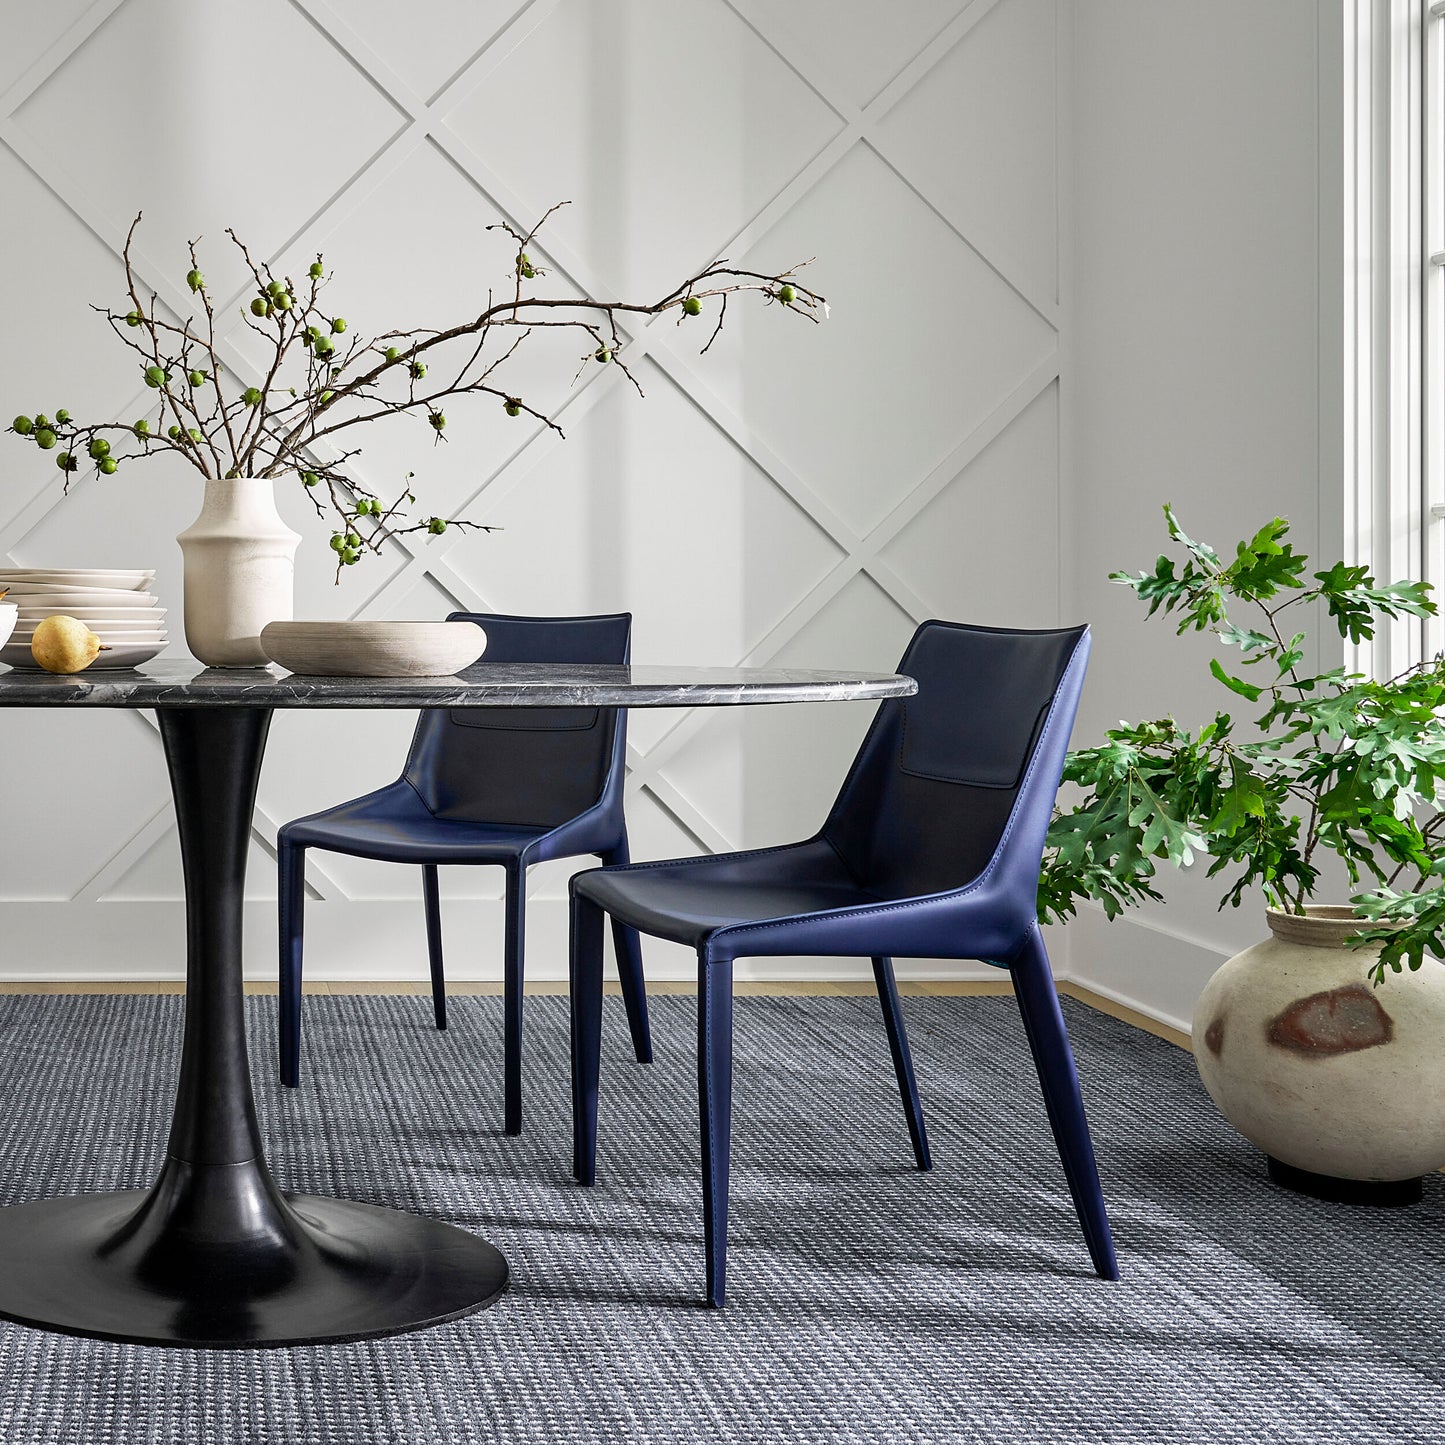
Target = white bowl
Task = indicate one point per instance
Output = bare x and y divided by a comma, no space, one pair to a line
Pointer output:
373,649
7,621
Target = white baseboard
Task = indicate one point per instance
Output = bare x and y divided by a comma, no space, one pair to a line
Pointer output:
1141,964
78,941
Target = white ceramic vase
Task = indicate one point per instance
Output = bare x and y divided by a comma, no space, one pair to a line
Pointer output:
1320,1069
239,571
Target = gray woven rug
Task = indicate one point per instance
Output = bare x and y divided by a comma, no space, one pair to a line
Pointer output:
866,1302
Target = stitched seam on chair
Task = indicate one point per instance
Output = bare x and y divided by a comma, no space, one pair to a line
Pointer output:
405,779
742,930
944,777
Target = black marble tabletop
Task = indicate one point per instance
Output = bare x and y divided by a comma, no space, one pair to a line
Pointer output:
188,684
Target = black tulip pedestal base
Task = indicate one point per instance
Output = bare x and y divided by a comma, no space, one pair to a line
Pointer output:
145,1269
213,1255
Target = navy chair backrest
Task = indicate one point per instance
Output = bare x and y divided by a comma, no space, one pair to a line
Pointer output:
940,774
528,767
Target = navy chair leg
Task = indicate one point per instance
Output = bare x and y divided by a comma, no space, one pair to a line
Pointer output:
1038,1002
715,1105
292,888
512,997
902,1059
628,947
431,897
585,974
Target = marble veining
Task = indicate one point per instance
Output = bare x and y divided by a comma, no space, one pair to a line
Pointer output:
188,684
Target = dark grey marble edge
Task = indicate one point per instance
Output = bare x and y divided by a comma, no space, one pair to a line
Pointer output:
484,684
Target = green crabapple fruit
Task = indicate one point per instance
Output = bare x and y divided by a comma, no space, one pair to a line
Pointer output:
438,420
62,460
418,369
45,438
22,425
338,324
199,377
309,479
173,431
155,376
99,448
251,396
692,306
109,466
512,407
195,280
260,306
337,541
603,355
62,416
316,270
436,526
133,318
392,354
142,428
786,294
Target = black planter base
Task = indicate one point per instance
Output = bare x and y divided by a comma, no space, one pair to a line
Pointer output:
133,1267
1376,1193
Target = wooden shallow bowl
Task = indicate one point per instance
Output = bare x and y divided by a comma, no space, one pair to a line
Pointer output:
373,649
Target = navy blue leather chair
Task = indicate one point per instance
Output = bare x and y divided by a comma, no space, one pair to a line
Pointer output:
931,850
505,786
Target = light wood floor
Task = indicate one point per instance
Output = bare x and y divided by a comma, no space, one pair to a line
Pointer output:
755,988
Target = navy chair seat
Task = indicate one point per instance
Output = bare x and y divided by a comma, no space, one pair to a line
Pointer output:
690,899
501,786
931,850
393,825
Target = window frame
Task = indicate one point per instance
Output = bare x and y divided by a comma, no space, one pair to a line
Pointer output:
1394,311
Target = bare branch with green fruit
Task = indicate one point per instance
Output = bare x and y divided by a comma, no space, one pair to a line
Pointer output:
319,379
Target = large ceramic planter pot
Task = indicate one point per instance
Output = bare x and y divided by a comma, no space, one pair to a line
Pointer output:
1340,1083
239,571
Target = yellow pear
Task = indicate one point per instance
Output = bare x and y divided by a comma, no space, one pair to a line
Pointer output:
64,644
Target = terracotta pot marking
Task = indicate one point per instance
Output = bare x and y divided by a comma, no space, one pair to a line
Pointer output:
1338,1021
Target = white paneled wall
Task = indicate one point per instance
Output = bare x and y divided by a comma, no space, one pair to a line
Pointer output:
796,496
1205,242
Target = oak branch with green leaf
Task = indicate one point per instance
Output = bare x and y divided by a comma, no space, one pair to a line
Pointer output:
318,380
1335,762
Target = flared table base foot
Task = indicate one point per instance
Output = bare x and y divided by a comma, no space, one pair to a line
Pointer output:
337,1271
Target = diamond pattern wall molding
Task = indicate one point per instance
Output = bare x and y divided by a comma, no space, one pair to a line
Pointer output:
836,494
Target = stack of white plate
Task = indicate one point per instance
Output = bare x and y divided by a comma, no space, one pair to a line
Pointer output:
116,605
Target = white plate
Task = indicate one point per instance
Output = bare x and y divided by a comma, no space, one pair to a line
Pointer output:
110,638
28,625
52,592
87,577
133,616
131,655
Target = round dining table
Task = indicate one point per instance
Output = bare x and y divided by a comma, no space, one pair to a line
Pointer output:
215,1254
